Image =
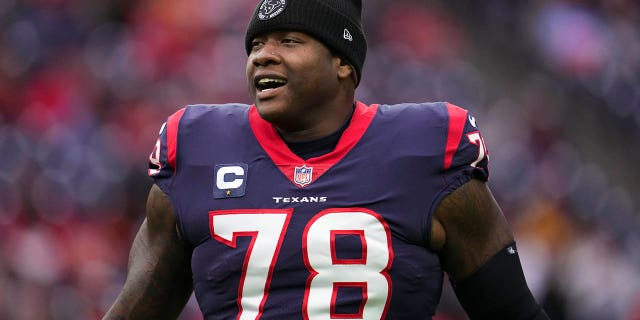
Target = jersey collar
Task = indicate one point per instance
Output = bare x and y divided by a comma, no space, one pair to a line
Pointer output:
304,172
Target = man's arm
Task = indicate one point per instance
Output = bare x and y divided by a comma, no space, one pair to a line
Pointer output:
159,278
474,229
477,250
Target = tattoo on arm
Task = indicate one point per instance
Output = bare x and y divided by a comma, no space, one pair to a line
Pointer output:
475,229
159,278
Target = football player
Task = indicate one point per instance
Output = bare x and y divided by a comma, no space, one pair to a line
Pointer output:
309,204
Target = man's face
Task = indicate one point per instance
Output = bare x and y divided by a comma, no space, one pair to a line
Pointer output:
292,78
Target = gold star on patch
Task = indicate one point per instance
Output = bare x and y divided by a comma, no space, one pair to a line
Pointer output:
228,192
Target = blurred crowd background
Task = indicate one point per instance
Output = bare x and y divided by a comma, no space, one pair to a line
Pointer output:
86,84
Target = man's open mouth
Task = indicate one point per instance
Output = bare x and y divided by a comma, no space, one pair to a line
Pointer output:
267,83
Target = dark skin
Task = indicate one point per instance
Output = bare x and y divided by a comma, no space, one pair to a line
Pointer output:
468,226
159,279
319,90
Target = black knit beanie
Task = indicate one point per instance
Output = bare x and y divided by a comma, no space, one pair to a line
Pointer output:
336,23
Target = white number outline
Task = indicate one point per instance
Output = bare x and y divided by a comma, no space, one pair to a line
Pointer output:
226,225
342,217
154,159
476,139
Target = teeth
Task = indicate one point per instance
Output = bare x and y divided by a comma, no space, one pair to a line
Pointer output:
270,81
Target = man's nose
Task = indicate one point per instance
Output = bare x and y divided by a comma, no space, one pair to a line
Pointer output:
267,54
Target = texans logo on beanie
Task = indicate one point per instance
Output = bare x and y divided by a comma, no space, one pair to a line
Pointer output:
270,8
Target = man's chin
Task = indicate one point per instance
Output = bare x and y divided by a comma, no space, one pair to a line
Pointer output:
270,111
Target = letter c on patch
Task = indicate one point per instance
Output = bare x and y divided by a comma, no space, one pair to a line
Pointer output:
230,180
223,181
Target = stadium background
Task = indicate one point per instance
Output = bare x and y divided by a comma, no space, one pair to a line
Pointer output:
86,84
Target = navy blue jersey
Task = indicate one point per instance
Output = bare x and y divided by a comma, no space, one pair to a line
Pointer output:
341,236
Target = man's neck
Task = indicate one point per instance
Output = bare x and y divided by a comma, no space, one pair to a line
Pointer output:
331,122
321,146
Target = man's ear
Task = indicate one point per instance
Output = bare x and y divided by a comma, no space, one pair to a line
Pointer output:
345,70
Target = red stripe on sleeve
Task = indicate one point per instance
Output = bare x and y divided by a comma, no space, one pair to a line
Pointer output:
172,137
457,120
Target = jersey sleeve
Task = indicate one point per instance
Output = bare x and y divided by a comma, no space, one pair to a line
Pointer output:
465,155
163,157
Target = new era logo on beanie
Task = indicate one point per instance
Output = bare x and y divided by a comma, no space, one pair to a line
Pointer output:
336,23
347,35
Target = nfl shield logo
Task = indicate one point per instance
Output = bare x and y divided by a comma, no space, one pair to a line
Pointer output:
303,175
